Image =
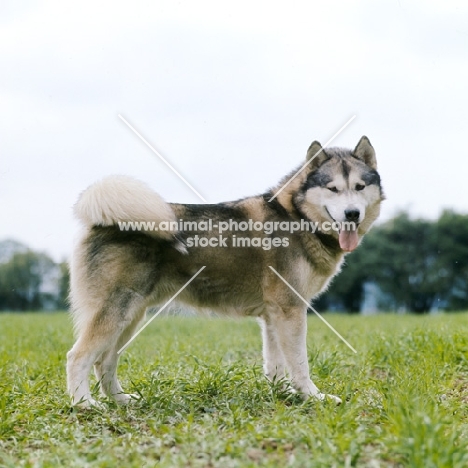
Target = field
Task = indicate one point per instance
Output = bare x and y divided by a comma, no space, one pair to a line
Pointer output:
205,403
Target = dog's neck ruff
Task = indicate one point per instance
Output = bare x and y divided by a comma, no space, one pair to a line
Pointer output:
329,241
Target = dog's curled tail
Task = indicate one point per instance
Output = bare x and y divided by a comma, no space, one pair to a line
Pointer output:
130,204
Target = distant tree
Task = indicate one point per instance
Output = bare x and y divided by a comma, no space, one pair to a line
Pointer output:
404,251
451,232
64,286
21,281
9,247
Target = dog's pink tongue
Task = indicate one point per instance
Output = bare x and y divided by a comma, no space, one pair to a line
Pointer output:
348,240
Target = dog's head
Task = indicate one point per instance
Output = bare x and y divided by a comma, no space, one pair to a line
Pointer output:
341,186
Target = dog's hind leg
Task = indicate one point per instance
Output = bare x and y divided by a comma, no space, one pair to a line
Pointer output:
80,359
105,367
100,335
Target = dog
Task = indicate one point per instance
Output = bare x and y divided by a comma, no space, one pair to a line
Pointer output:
117,272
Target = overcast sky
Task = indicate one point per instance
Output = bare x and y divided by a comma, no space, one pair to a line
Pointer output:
231,93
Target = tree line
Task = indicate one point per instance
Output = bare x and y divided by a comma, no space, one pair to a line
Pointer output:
405,264
30,280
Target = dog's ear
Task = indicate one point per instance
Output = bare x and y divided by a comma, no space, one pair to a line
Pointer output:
315,156
365,152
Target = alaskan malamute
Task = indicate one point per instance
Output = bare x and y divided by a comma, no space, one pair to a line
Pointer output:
122,265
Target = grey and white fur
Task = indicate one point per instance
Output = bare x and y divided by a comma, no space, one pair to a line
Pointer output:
116,275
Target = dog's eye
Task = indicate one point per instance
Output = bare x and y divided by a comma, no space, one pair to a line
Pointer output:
333,189
360,187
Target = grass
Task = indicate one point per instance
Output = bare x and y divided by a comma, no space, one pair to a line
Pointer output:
205,402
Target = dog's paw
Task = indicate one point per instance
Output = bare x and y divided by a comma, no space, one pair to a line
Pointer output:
88,403
327,396
125,398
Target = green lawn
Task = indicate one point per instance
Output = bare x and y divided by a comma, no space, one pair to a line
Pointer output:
205,401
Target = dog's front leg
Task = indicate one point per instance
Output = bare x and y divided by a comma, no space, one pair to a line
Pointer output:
292,331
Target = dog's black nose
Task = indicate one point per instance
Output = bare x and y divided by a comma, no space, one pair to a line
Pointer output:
352,215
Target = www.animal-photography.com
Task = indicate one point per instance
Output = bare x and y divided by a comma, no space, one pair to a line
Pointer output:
234,235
